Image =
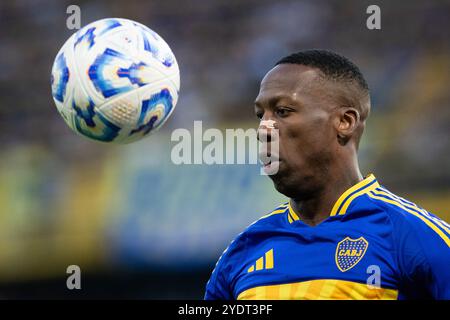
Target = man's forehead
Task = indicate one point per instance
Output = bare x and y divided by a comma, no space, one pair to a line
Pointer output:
288,79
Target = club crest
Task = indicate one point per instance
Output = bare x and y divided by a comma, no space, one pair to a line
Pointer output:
349,252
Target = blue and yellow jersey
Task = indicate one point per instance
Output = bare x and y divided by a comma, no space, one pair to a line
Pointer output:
374,245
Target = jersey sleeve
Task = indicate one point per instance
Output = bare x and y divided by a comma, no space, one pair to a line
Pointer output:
220,285
423,250
217,287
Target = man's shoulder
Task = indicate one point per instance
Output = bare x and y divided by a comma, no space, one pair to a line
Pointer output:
274,218
265,224
398,208
406,216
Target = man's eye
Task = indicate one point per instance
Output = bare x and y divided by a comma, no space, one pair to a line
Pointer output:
259,115
282,112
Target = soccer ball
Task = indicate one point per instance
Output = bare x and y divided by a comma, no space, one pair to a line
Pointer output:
115,80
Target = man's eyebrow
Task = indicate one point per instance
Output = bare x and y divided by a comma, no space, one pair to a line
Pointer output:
273,100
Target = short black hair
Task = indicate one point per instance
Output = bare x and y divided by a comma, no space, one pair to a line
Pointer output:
334,66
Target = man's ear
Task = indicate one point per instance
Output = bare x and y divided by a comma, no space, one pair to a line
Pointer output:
347,122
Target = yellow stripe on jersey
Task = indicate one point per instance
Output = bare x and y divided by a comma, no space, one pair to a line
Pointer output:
269,259
290,219
264,262
260,263
347,202
427,222
323,289
292,214
343,198
414,207
278,210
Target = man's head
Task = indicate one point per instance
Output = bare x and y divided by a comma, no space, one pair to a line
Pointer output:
319,102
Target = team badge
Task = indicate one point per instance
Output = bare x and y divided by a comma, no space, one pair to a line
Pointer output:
349,252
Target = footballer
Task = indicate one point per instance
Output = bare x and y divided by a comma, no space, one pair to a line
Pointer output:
342,235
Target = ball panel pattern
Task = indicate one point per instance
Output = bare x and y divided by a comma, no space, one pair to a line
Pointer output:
115,80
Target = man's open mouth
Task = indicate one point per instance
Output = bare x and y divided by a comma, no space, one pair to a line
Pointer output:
267,159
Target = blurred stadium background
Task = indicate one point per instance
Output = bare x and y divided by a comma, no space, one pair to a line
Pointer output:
141,227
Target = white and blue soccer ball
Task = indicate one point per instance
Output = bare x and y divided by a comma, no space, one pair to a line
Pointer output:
115,80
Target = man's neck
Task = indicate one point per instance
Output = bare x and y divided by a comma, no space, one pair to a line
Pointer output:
317,208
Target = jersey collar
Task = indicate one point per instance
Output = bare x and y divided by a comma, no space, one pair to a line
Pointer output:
340,207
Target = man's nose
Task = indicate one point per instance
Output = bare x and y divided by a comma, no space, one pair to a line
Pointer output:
266,131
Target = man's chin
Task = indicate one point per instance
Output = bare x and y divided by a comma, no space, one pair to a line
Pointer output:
294,186
281,187
279,179
285,182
